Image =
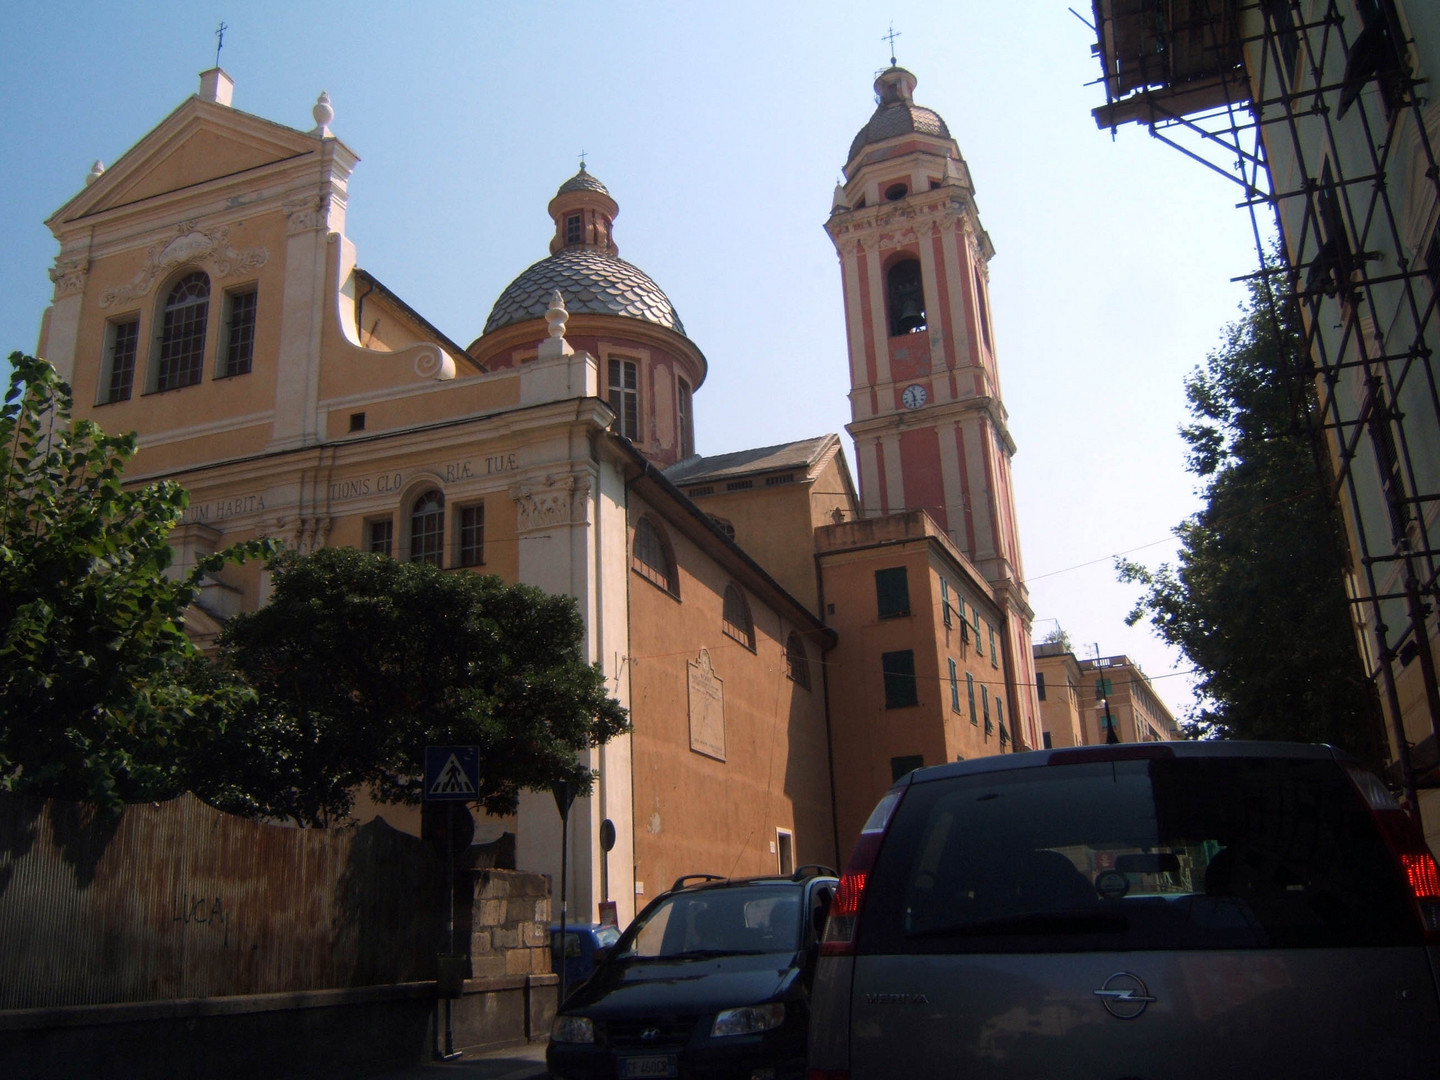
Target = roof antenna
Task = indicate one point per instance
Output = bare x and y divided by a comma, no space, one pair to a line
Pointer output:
220,41
890,37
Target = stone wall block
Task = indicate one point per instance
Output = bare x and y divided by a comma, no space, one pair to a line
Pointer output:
490,965
534,934
492,913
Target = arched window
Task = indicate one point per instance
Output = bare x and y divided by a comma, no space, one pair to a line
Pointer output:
727,527
737,620
651,557
905,292
182,332
427,528
797,661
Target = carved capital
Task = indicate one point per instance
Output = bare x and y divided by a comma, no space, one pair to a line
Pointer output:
303,213
69,276
558,500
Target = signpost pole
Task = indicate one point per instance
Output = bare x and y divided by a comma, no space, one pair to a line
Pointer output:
564,792
452,774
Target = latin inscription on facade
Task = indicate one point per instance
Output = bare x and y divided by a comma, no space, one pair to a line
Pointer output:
223,508
452,472
707,708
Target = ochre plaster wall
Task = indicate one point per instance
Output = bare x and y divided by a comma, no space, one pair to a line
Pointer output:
696,814
866,734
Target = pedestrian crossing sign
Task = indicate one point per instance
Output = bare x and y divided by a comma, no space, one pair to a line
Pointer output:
452,773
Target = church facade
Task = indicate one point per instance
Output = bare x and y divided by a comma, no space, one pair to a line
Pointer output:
207,297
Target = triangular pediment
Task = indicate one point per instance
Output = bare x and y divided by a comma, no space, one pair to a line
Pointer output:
199,142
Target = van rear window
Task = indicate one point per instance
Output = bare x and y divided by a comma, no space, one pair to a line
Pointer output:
1184,853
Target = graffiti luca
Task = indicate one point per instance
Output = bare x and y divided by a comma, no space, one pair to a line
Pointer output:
203,911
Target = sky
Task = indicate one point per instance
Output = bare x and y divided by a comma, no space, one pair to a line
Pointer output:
721,130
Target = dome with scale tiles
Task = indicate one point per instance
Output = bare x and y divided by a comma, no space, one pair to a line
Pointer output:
590,281
585,265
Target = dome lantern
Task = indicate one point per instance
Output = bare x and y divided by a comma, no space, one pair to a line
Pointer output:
584,215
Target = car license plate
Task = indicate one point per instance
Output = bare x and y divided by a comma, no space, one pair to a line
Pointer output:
652,1065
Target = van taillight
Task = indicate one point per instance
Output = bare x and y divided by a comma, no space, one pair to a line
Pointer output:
839,939
1408,843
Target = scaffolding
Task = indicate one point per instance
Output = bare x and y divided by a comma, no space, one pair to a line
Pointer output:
1316,110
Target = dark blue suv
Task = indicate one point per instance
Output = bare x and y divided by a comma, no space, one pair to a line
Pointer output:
711,980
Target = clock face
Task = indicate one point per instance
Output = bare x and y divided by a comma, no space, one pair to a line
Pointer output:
914,396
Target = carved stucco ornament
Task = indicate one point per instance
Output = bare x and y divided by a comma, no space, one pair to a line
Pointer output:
559,500
189,243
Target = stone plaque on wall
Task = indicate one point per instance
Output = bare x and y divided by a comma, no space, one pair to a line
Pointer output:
707,708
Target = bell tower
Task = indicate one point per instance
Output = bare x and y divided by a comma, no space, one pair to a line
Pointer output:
926,413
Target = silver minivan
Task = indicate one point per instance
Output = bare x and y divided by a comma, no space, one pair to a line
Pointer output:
1195,909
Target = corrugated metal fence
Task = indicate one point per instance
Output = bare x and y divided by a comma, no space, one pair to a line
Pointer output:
177,900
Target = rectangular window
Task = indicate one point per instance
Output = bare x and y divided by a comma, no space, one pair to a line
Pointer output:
1289,41
687,420
892,592
945,601
994,652
954,686
985,709
1000,719
380,537
785,851
1334,262
625,397
471,539
907,763
573,231
1376,54
898,669
1103,687
1045,738
1040,685
1432,260
970,692
239,333
979,648
124,347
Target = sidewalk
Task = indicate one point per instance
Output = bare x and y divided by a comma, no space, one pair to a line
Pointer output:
510,1063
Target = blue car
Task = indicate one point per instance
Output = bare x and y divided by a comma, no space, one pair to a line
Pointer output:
581,941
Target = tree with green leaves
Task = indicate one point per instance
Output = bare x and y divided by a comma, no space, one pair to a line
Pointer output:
360,661
101,692
1257,600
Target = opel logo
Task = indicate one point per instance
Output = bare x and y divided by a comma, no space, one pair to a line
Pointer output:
1124,995
651,1034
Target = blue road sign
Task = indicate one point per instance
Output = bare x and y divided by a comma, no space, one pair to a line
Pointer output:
452,773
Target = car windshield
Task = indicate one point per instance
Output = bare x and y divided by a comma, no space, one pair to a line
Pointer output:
717,922
1182,853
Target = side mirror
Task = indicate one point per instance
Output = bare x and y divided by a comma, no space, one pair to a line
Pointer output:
603,953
